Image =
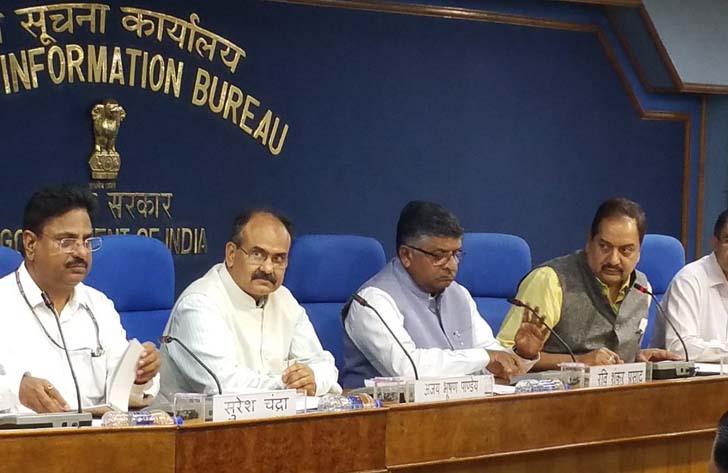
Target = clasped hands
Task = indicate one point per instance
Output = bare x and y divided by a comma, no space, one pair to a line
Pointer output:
300,376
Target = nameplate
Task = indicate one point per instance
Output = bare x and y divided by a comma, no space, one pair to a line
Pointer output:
446,389
254,406
617,375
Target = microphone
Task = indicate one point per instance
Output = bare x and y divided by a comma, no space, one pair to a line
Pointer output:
518,303
644,290
363,302
49,303
165,339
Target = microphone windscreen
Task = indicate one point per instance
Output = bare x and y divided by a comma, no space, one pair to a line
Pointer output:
359,299
641,288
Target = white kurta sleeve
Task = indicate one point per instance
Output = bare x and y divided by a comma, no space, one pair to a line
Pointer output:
196,321
683,303
380,348
9,383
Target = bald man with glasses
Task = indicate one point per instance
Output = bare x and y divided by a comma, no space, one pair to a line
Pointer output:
433,317
243,324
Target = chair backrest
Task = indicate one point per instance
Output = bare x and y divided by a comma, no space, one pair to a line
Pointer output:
661,257
9,260
137,273
493,266
324,271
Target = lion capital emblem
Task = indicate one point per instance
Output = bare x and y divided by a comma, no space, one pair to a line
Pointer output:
105,161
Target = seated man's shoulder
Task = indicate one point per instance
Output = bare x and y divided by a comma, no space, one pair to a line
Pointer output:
542,275
699,269
374,294
693,273
193,300
8,282
209,287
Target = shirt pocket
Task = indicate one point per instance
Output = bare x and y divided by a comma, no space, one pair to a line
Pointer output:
91,374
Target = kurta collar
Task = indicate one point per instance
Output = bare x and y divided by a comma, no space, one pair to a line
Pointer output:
714,271
241,299
406,280
33,292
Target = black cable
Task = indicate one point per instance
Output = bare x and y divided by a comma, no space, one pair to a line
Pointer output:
50,306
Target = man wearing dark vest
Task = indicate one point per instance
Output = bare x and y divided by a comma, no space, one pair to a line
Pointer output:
433,317
587,296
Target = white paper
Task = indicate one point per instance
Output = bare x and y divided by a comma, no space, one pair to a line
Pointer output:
708,368
503,389
122,380
306,403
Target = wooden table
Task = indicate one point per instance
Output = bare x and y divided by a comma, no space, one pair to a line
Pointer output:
664,426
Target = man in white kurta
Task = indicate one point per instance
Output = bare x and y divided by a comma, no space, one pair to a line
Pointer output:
28,351
697,302
34,372
243,324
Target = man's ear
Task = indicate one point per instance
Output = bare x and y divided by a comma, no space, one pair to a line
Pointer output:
405,256
30,240
230,250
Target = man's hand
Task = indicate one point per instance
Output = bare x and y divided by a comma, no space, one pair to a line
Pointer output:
300,376
656,354
149,363
531,335
504,365
41,396
600,356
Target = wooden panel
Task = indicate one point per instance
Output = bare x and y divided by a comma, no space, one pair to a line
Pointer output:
349,442
89,450
676,454
472,430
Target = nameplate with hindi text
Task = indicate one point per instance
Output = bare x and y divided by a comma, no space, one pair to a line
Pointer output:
446,389
258,405
617,375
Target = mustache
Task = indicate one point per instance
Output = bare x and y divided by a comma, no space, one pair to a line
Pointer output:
76,262
610,266
270,277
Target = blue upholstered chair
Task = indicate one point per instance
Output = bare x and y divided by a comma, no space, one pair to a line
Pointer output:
137,273
324,271
493,266
9,260
661,257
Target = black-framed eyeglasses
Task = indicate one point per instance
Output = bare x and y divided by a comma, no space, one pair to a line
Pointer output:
258,257
441,258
